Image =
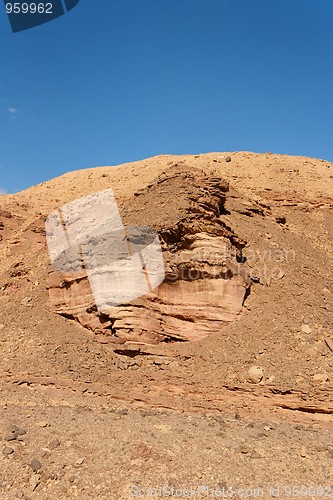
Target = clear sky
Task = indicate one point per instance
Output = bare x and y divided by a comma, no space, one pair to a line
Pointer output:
120,80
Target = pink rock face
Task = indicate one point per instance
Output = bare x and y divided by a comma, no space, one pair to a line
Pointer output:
204,286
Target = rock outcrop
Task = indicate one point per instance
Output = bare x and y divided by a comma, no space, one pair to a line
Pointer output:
205,283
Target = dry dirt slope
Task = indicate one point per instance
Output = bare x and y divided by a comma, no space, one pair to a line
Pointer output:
100,418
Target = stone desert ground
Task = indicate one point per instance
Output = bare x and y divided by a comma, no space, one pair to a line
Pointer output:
185,391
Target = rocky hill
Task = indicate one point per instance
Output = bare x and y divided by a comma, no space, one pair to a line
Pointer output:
241,326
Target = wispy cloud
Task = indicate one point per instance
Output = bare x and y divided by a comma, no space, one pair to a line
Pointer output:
12,111
2,191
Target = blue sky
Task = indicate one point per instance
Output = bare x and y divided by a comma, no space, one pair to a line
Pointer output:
116,81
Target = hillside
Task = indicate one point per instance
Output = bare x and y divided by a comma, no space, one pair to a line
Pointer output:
115,399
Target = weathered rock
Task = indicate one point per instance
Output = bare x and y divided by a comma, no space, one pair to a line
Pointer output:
205,285
14,432
42,424
320,378
34,481
306,329
7,450
54,443
11,437
255,374
35,464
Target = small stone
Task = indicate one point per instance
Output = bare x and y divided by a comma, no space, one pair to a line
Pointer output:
14,432
79,462
26,301
237,416
255,374
2,326
280,219
303,452
34,481
7,450
12,428
267,428
124,411
42,424
55,443
306,329
35,464
11,437
228,159
221,434
320,378
262,435
20,432
244,449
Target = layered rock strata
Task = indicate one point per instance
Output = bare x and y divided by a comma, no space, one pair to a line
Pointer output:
205,282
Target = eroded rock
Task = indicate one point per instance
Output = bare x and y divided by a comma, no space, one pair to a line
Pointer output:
205,284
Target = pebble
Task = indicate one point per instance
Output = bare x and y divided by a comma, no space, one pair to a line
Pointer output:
14,432
7,450
26,301
280,219
35,464
255,374
123,412
46,453
42,424
79,462
34,481
228,159
12,428
320,378
11,437
303,452
262,435
55,443
306,329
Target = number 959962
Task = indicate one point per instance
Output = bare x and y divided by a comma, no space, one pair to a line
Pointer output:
28,8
